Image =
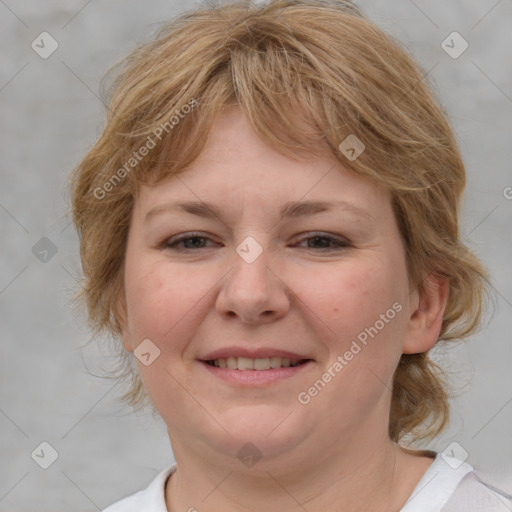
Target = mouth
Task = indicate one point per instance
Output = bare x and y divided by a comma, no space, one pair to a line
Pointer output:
260,372
257,364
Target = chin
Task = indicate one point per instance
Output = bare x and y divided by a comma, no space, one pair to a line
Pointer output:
258,432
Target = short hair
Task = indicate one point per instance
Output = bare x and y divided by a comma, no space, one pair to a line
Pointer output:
307,74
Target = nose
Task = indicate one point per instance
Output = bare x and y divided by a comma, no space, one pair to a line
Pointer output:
253,292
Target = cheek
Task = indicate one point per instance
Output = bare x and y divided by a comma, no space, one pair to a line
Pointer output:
362,305
163,301
351,297
164,305
147,297
363,308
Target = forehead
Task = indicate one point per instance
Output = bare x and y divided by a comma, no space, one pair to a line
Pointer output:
238,170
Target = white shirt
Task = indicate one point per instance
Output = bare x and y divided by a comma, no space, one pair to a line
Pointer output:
448,485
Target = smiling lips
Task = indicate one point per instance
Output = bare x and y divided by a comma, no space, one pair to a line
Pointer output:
237,358
247,363
255,372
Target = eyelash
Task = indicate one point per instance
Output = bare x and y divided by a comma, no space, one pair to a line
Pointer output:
340,244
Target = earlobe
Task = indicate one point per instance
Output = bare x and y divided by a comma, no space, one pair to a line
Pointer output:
426,320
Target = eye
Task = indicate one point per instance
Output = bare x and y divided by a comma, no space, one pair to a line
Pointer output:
186,242
196,240
325,242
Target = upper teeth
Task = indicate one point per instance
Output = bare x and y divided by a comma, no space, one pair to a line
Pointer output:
246,363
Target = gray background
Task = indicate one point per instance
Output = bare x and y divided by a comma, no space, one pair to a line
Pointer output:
52,387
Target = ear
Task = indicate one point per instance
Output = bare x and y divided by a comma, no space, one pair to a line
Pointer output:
427,314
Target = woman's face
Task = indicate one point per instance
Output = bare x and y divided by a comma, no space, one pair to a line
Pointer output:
272,276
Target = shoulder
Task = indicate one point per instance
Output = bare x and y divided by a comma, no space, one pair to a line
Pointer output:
451,485
151,499
128,504
475,494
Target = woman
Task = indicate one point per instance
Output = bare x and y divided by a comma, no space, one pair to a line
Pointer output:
269,223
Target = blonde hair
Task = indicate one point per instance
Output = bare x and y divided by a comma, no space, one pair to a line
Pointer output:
306,74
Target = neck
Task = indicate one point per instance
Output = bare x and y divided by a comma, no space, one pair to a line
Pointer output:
377,476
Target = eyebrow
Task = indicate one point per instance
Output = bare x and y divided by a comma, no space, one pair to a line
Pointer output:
292,209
